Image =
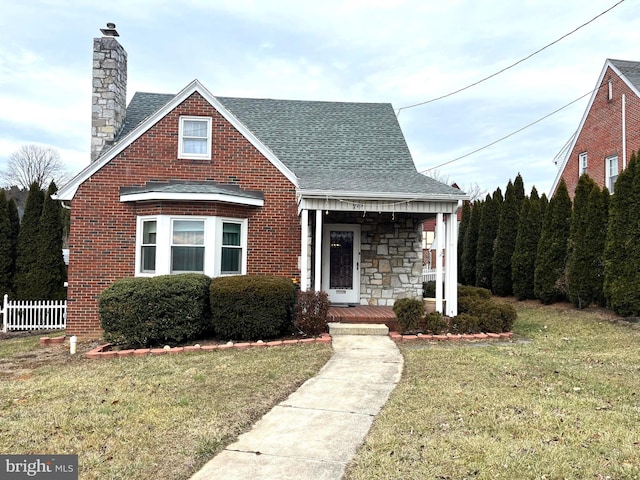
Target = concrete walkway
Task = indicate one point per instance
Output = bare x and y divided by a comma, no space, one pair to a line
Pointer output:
315,432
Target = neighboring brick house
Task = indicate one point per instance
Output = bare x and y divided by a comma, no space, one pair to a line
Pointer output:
609,130
325,193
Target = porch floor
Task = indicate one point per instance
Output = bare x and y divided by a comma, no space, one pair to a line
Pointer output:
363,314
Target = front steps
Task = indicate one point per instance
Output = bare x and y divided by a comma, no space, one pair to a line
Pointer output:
357,329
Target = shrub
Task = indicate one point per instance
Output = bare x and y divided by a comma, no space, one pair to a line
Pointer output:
408,311
429,289
465,323
474,292
491,316
311,312
252,307
435,323
169,309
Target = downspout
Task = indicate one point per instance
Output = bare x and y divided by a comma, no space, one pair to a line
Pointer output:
624,132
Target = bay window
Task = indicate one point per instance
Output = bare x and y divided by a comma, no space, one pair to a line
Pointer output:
211,245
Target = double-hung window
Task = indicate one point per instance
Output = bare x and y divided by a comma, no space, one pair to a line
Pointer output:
195,138
211,245
611,167
583,162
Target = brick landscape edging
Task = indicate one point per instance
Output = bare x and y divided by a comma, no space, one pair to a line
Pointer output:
450,337
104,351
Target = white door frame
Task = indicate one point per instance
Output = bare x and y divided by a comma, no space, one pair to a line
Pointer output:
337,295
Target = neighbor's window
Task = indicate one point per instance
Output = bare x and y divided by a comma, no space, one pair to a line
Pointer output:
611,165
195,138
211,245
148,246
187,246
583,160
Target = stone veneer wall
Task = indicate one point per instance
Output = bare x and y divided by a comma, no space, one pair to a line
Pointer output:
391,256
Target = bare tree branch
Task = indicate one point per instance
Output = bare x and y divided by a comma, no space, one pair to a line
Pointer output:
34,163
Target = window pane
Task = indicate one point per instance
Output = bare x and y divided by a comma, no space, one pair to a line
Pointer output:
149,232
148,259
231,234
187,259
192,145
194,128
188,232
231,260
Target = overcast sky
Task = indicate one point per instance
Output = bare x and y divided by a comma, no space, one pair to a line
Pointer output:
395,51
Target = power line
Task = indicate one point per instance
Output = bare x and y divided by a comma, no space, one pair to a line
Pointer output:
512,133
512,65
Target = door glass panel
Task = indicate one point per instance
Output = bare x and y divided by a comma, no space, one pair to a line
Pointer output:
341,260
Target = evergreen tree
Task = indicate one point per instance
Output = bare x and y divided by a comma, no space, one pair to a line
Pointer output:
28,249
544,204
518,186
579,258
486,239
14,221
471,245
622,255
523,262
506,242
551,256
51,269
462,229
6,258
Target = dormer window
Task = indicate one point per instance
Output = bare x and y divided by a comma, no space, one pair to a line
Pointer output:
195,138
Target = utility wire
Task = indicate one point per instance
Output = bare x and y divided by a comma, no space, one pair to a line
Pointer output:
512,133
512,65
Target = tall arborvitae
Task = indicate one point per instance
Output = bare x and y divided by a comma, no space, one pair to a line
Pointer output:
471,245
28,245
523,262
579,258
14,220
6,259
518,187
551,257
462,230
486,239
544,204
51,267
506,242
622,255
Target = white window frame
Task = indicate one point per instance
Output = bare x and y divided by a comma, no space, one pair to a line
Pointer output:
212,244
583,163
611,179
182,137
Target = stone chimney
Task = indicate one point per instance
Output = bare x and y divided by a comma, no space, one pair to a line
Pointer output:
109,96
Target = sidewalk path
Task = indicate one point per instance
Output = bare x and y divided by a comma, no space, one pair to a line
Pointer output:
314,433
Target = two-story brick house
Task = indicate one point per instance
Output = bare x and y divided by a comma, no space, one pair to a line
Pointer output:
609,130
325,193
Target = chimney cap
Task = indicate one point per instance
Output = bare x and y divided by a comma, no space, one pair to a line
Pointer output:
110,31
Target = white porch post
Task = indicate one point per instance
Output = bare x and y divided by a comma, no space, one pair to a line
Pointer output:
317,283
440,242
451,266
304,250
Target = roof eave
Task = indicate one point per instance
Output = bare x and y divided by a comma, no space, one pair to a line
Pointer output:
191,197
400,196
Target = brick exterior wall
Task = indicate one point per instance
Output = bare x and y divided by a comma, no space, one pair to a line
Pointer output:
103,229
601,134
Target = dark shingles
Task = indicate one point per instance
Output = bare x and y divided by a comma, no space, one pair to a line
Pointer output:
629,69
142,106
205,187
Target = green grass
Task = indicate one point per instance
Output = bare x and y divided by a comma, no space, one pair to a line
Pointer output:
563,406
147,417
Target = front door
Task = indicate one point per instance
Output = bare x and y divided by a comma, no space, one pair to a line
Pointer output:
341,263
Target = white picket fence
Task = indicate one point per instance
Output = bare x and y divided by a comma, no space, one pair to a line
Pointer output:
429,274
33,314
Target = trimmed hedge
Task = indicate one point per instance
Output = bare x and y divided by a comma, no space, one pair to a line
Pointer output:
252,307
435,323
408,311
311,312
143,312
488,316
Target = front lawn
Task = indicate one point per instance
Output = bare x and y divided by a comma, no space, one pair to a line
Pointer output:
142,417
563,406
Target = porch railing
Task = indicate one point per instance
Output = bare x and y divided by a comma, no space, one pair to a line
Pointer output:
33,314
429,274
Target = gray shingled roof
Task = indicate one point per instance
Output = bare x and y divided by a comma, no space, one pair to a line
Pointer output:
204,187
631,70
329,146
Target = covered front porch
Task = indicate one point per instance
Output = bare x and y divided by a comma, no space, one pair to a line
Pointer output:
367,253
